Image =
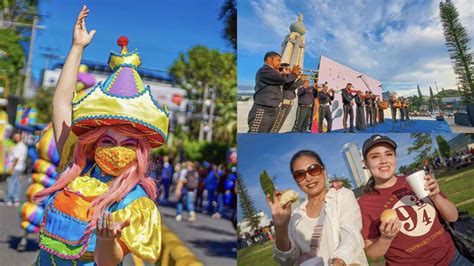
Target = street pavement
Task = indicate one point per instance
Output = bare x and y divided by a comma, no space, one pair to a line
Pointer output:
212,241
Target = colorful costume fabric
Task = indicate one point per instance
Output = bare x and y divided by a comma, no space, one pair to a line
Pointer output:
122,99
63,236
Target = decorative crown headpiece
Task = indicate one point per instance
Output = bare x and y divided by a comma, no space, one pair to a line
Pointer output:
122,99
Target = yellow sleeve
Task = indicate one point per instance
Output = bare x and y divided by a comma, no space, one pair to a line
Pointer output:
143,236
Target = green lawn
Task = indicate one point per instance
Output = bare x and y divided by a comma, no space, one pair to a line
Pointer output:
458,186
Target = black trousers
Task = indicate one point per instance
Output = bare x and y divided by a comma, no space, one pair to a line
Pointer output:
348,112
381,116
368,117
303,118
283,112
261,118
374,115
324,113
394,114
360,118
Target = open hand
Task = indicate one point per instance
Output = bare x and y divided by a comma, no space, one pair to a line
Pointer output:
110,229
81,37
281,214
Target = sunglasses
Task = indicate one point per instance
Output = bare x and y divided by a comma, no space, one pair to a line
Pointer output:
314,170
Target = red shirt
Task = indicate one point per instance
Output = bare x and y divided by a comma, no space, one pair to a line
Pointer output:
422,239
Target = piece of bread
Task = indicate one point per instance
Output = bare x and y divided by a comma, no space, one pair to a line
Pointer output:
388,215
288,196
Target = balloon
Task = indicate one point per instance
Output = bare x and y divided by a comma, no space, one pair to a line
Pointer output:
45,167
43,179
32,190
31,212
47,147
28,227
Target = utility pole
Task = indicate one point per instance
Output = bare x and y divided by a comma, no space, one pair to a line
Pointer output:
211,114
203,111
27,82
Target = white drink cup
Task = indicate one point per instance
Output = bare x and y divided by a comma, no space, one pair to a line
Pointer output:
417,183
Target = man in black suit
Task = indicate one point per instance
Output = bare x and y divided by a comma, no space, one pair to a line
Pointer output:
306,95
360,117
268,95
325,96
347,103
392,100
289,96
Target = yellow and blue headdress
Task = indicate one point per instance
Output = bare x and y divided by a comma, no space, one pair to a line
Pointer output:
122,99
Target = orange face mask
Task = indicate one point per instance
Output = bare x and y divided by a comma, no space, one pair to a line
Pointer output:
115,160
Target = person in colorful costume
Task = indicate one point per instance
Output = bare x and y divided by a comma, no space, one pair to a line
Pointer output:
101,206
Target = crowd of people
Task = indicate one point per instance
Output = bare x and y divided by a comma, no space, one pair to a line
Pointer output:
197,186
457,160
278,86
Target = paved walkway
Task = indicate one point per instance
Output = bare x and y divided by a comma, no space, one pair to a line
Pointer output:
457,128
212,241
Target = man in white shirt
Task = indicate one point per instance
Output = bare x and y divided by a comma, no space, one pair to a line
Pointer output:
17,160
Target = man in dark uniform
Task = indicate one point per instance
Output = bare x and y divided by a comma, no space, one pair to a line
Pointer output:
268,93
380,109
306,96
393,110
402,109
325,97
289,95
347,107
406,109
368,110
360,118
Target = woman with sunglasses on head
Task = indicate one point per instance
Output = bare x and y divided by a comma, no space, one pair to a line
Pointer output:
325,228
397,224
101,207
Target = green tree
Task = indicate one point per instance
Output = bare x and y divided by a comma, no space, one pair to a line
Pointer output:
415,102
421,145
20,11
247,206
228,15
267,185
457,41
449,93
13,57
346,183
202,68
443,145
205,151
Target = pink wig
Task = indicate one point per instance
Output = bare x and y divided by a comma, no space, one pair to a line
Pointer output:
121,185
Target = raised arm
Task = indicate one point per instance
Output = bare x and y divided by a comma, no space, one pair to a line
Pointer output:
62,108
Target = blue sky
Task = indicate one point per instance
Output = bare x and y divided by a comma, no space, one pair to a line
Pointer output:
399,42
273,152
160,30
